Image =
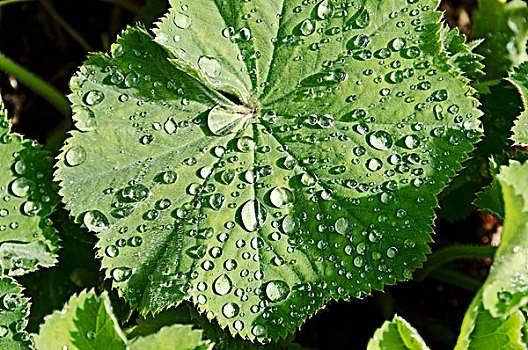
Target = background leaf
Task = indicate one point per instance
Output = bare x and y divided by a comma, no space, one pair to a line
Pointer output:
520,129
261,165
27,239
395,335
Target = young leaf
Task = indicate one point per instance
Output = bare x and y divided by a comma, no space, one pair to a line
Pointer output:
268,156
27,239
520,129
14,312
503,26
505,288
461,54
480,330
395,335
85,322
182,337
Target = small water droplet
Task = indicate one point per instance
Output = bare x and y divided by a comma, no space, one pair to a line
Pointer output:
230,310
210,66
281,197
93,97
121,274
222,285
21,186
324,9
307,27
75,156
380,140
96,221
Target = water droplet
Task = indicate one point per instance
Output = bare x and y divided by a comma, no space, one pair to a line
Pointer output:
31,208
131,79
131,194
112,251
20,167
258,330
21,186
374,164
93,97
281,197
181,20
360,41
75,156
169,177
325,9
96,221
391,252
85,118
380,140
253,215
245,144
11,301
290,224
210,66
227,176
411,141
216,201
222,285
439,95
342,225
277,291
228,32
363,20
307,27
397,44
230,310
121,274
222,121
170,126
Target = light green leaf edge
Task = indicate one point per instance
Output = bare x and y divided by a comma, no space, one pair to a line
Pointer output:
27,241
397,334
430,201
88,322
480,330
520,128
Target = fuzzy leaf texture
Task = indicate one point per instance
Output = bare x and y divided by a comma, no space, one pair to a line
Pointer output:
503,26
265,157
28,196
397,334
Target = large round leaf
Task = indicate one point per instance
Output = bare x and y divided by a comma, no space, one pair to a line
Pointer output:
262,157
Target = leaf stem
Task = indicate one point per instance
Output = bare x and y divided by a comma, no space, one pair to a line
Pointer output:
36,84
456,252
456,279
8,2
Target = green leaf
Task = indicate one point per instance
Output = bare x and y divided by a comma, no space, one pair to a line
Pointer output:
395,335
261,165
461,54
14,312
76,270
183,336
85,322
456,200
505,289
503,26
480,330
27,239
520,129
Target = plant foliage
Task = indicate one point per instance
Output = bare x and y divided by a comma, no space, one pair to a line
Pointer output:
261,165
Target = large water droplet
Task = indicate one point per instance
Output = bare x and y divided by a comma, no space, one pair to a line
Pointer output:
363,20
222,285
245,144
281,197
307,27
230,310
121,274
75,156
182,20
21,186
411,141
324,9
170,126
31,208
216,201
210,66
93,97
290,224
96,221
253,215
223,121
342,225
131,194
277,291
380,140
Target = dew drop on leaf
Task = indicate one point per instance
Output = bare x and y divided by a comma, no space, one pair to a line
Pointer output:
245,144
277,291
281,197
222,285
324,9
380,140
21,186
253,215
170,126
31,208
411,141
230,310
307,27
93,97
210,66
75,156
181,20
96,221
121,274
341,225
